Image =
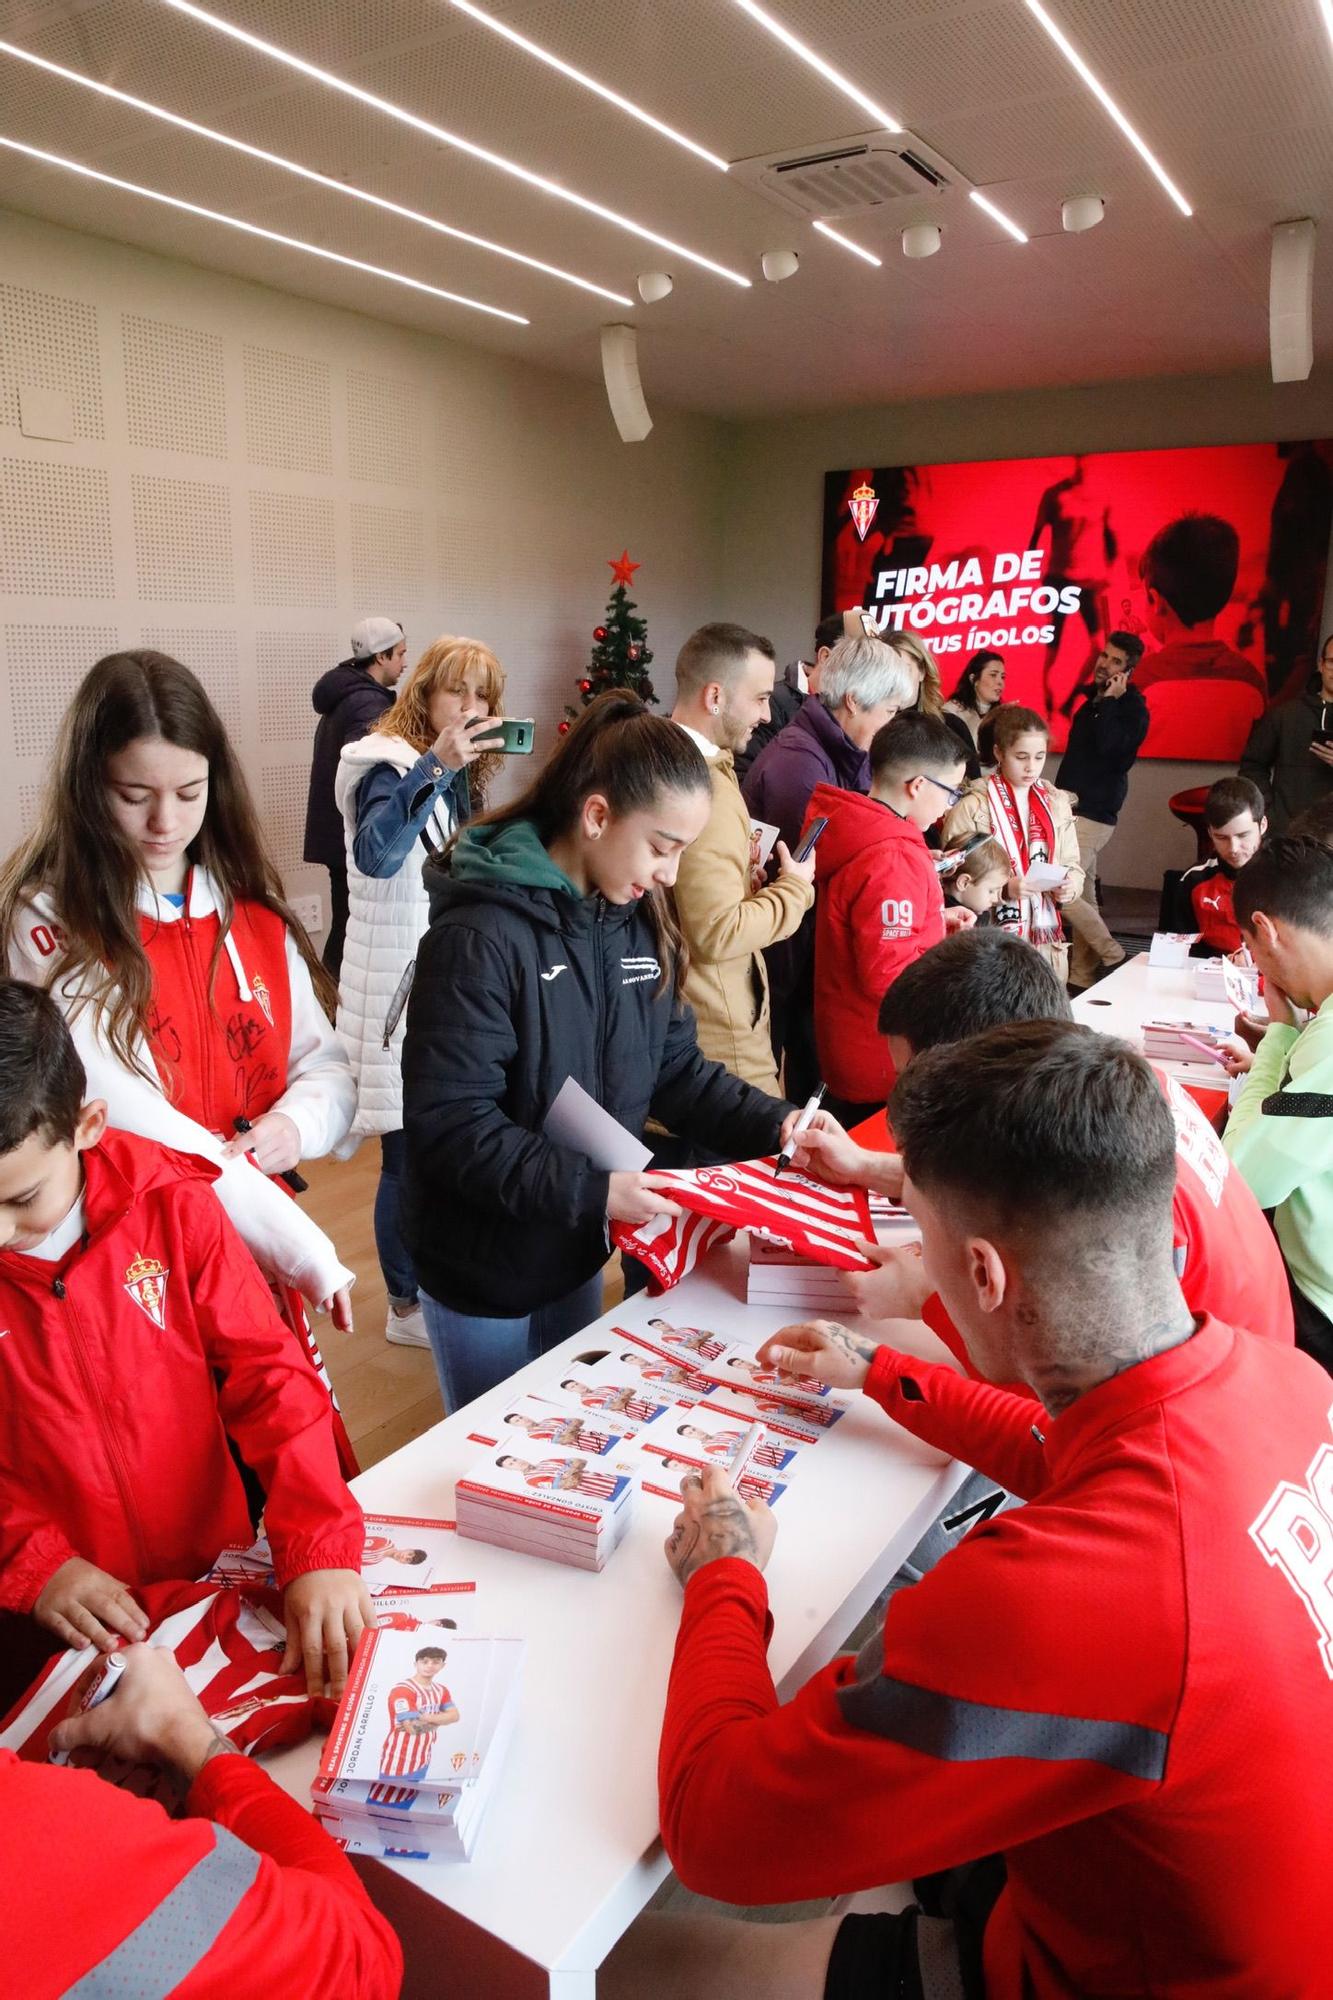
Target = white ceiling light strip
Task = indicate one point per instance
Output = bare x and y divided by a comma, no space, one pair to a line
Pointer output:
1326,9
1107,102
307,173
882,118
835,236
253,229
997,215
447,138
589,83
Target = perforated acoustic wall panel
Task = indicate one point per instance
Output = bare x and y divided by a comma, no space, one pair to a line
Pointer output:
249,475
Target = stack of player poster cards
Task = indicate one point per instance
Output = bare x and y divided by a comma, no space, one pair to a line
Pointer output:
402,1552
417,1744
571,1506
1182,1042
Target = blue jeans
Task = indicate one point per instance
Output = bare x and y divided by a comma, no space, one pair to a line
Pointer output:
400,1278
472,1354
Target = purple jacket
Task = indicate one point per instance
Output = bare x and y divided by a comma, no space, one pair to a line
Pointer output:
813,749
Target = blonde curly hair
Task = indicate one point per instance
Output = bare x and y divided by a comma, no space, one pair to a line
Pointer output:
446,665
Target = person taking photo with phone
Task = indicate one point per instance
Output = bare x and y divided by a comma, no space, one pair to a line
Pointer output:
1289,755
403,791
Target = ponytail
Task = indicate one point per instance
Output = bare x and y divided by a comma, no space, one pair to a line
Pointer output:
631,757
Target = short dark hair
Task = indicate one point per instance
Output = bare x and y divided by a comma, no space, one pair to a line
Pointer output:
1011,720
914,742
1128,643
975,980
1316,822
1229,798
829,630
1192,564
431,1653
715,653
1039,1120
1290,879
42,1080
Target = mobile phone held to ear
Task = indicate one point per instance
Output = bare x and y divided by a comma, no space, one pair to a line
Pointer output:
811,841
512,736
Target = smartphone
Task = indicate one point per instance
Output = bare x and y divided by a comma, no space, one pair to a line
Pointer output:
514,738
811,841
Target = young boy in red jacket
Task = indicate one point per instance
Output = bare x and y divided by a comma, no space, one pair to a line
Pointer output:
138,1338
879,904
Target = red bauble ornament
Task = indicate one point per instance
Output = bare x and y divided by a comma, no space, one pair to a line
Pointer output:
562,729
585,687
634,652
599,633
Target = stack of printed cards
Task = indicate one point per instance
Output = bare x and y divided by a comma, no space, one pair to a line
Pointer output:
778,1277
416,1746
723,1364
402,1552
569,1506
1233,985
1182,1042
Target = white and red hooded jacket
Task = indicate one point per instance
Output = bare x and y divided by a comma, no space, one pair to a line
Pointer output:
123,1369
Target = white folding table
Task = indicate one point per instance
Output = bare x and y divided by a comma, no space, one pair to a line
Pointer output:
569,1853
1137,992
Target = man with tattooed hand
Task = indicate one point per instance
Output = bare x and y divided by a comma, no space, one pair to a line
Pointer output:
1114,1692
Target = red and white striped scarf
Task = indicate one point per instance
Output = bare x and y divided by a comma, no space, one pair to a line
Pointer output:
1039,918
825,1224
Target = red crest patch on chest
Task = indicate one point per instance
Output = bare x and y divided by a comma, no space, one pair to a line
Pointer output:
146,1283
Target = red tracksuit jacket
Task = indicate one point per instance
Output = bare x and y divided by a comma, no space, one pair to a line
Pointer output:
119,1368
1123,1686
283,1913
880,906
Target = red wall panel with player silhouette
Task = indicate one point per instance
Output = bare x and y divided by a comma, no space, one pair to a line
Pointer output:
1039,558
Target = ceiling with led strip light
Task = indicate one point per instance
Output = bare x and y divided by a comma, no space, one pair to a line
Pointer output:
1233,98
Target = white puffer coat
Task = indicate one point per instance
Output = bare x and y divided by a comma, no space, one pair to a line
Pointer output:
387,919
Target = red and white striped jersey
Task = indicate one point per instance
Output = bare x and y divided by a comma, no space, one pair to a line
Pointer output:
828,1225
549,1471
406,1754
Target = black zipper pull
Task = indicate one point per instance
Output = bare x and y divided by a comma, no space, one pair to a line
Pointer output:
58,1287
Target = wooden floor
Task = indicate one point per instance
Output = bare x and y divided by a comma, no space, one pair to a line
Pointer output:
389,1395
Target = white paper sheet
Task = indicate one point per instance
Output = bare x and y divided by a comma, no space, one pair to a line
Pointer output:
579,1122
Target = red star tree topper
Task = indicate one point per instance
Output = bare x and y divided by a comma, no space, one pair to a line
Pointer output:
620,652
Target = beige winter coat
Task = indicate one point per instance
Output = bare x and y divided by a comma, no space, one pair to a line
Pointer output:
728,927
972,815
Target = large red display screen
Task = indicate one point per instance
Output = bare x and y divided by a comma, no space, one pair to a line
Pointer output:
1214,556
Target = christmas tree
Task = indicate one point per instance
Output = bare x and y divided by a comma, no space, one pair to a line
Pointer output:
620,653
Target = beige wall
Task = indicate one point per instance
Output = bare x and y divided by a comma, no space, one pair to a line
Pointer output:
250,474
771,533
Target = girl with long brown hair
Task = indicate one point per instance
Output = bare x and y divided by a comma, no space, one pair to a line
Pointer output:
554,953
403,789
146,903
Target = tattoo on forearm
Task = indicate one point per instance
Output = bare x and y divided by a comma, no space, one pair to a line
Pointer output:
221,1746
855,1346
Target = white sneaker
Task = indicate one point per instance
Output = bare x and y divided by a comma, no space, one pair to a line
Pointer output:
407,1329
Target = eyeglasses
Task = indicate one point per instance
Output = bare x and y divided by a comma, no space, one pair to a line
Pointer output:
951,792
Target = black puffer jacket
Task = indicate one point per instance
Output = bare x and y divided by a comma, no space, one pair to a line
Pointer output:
347,701
520,983
1278,758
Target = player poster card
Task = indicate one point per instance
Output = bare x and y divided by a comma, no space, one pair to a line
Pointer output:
663,1470
411,1713
536,1480
738,1368
801,1427
611,1392
533,1420
720,1438
405,1552
662,1372
449,1607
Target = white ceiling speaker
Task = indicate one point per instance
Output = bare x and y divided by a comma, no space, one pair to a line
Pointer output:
655,285
1291,300
1082,211
923,239
620,372
779,264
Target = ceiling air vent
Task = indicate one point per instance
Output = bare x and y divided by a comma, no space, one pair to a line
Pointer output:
849,176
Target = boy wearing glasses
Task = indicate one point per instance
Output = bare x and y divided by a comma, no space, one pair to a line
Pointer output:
879,904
